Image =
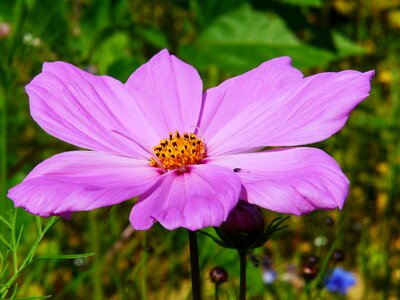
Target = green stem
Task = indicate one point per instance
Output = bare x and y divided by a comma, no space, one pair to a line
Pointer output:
3,150
95,245
216,291
28,259
14,242
194,266
242,290
143,284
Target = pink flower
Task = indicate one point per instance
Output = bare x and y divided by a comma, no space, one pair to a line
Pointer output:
189,155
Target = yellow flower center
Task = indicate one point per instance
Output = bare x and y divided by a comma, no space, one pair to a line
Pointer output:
178,151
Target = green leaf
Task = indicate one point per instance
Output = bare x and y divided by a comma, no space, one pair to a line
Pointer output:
346,47
244,38
304,3
247,26
123,67
5,242
21,229
207,11
65,256
8,224
110,50
153,36
34,298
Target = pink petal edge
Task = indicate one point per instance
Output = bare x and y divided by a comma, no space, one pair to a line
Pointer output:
225,102
81,181
306,111
295,181
93,112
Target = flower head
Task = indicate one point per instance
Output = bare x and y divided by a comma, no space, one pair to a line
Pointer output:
243,227
189,155
340,281
5,30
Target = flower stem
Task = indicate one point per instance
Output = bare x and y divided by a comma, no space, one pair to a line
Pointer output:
96,247
216,291
242,291
28,258
143,284
194,266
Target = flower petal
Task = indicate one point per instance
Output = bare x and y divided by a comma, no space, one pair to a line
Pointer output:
306,111
229,99
296,181
169,92
93,112
193,200
80,181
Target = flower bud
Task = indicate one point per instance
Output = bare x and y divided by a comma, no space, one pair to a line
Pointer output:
310,267
5,30
149,249
218,275
309,272
329,221
312,260
338,256
243,227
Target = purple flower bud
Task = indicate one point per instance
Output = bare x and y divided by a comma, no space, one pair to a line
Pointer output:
338,256
310,267
309,272
149,249
5,30
218,275
312,260
244,225
329,221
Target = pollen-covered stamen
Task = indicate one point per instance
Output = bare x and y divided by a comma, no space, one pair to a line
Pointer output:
178,151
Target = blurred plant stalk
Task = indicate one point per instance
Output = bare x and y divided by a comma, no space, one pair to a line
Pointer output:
95,246
7,88
393,179
3,150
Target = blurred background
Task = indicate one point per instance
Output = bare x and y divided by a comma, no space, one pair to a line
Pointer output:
221,39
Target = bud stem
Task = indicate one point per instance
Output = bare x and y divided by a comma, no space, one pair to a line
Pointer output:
194,266
216,291
242,291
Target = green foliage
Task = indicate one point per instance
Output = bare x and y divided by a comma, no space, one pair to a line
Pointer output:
264,36
9,274
304,3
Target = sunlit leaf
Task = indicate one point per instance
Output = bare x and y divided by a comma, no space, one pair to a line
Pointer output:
346,47
244,38
153,36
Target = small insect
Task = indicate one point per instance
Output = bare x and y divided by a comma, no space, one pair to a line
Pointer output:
236,170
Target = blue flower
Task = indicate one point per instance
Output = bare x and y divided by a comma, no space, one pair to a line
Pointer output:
269,276
339,281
